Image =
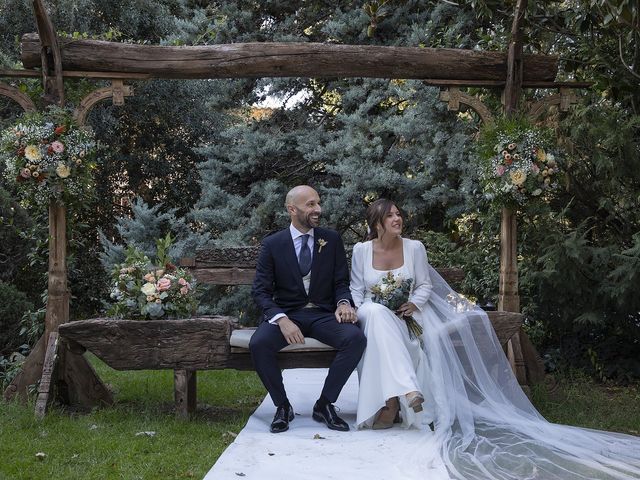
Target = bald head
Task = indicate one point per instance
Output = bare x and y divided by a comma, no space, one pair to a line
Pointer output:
296,192
303,206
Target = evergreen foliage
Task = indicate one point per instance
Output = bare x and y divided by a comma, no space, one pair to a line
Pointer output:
14,303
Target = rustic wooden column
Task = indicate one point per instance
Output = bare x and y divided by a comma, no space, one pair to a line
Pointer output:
508,299
66,374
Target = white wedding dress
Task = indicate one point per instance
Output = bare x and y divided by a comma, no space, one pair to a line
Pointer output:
393,363
485,426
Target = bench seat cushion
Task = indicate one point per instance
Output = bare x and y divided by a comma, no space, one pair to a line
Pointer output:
240,339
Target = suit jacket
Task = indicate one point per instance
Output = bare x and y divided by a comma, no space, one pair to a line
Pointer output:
278,286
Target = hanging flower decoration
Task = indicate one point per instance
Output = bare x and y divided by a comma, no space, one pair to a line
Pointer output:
519,163
48,155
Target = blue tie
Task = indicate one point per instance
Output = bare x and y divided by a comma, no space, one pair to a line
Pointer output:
305,256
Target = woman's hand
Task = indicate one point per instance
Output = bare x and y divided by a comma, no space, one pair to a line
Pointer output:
406,309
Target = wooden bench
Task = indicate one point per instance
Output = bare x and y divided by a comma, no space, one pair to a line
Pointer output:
216,342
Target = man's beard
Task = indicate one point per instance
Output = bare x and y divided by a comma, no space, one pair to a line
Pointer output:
306,221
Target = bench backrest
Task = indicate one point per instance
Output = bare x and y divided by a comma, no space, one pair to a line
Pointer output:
237,266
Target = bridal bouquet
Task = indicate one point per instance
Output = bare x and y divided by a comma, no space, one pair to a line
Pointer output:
48,155
142,289
393,291
517,163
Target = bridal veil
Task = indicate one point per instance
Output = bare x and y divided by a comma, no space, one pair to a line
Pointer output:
486,427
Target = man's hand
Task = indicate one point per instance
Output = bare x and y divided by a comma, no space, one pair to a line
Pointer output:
290,330
346,314
406,309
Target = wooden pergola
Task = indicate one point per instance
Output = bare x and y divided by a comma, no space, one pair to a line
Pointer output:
54,59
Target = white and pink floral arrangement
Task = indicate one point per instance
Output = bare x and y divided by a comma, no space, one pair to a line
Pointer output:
518,164
47,155
142,289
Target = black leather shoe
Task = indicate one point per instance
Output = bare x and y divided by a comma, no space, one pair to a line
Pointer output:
284,414
327,415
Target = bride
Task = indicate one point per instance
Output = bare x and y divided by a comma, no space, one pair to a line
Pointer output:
457,376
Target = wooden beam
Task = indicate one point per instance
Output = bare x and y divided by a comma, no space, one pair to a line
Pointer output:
437,82
189,344
49,57
254,60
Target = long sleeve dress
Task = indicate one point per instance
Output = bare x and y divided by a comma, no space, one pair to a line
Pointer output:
393,364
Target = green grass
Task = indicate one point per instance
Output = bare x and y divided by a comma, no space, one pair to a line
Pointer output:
103,444
577,399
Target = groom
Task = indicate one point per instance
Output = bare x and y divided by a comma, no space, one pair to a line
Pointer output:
302,285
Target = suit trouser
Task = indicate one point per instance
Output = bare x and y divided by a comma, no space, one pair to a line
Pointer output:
268,340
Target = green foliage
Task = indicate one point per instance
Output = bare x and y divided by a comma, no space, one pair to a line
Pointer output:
142,231
473,245
12,307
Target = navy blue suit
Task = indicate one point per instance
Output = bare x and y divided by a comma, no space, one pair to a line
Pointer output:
278,288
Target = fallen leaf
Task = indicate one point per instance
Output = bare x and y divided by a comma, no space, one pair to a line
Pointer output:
41,456
148,434
231,434
271,454
93,427
240,474
318,437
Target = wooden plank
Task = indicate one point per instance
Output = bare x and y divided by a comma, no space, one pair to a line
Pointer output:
47,381
185,392
255,60
192,344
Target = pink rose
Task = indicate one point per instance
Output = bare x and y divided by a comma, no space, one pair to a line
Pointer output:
149,277
163,284
182,281
535,168
57,147
184,290
500,170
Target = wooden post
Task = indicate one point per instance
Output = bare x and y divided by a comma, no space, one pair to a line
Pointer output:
185,392
508,298
58,293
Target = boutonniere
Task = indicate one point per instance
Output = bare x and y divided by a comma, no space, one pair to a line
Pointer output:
322,242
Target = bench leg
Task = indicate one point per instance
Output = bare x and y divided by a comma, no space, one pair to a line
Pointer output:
185,392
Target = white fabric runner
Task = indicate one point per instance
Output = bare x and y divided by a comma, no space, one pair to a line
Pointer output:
295,454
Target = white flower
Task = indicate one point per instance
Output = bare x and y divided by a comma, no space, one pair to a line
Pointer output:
63,170
32,153
148,289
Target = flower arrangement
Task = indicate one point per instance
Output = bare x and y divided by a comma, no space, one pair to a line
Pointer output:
392,291
518,163
142,289
48,156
